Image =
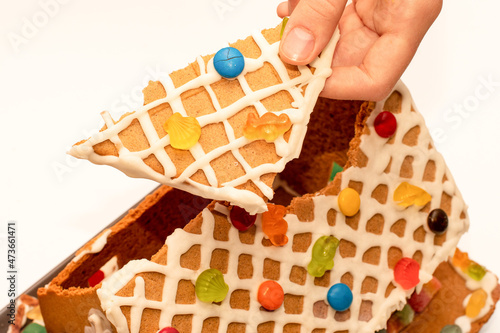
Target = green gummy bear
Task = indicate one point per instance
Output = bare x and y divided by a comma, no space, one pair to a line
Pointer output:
323,251
476,271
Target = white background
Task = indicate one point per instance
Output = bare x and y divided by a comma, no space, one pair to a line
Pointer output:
89,56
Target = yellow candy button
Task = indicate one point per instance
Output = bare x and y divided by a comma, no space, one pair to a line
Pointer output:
349,201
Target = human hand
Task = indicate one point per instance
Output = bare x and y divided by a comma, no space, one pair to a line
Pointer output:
378,39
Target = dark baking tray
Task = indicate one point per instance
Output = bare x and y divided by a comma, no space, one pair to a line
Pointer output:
4,325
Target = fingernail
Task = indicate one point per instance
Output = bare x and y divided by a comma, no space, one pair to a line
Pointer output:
298,44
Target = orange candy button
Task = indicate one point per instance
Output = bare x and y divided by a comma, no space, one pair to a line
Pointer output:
270,295
349,201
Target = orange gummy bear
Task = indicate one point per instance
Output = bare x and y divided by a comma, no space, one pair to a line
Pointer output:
268,127
476,303
461,260
274,226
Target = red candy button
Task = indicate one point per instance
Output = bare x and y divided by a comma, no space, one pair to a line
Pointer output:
385,124
241,219
168,330
406,273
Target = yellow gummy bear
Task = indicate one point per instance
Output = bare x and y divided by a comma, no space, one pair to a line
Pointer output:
406,195
268,127
184,131
476,303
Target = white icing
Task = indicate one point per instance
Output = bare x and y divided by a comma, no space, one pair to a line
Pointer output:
379,153
131,163
488,283
98,323
96,246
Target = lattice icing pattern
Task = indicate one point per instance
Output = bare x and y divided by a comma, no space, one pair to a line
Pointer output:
235,178
371,242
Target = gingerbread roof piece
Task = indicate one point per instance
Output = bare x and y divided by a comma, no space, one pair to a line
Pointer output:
224,164
145,296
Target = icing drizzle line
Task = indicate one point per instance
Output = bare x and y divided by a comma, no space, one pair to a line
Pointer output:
132,164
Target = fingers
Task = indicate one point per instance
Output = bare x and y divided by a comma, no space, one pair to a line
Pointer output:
375,77
309,29
282,9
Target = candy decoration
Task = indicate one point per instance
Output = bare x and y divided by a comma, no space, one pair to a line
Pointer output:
34,328
322,255
471,268
339,297
476,271
437,220
270,295
385,124
349,201
460,259
268,127
400,319
184,132
168,330
335,169
274,226
240,218
476,303
229,62
406,273
96,278
451,329
283,25
419,301
35,314
210,286
406,195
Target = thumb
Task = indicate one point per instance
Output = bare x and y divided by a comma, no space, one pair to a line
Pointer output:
309,29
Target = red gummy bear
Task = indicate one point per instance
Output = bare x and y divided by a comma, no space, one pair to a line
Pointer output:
406,273
274,226
241,219
420,301
96,278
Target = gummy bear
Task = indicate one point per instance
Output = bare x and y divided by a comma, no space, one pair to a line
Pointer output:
240,218
471,268
476,303
184,132
268,127
476,271
35,314
419,301
406,195
210,286
270,295
274,226
406,273
400,319
283,25
460,259
323,252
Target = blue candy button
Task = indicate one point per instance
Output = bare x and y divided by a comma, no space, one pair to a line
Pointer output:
339,297
229,62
